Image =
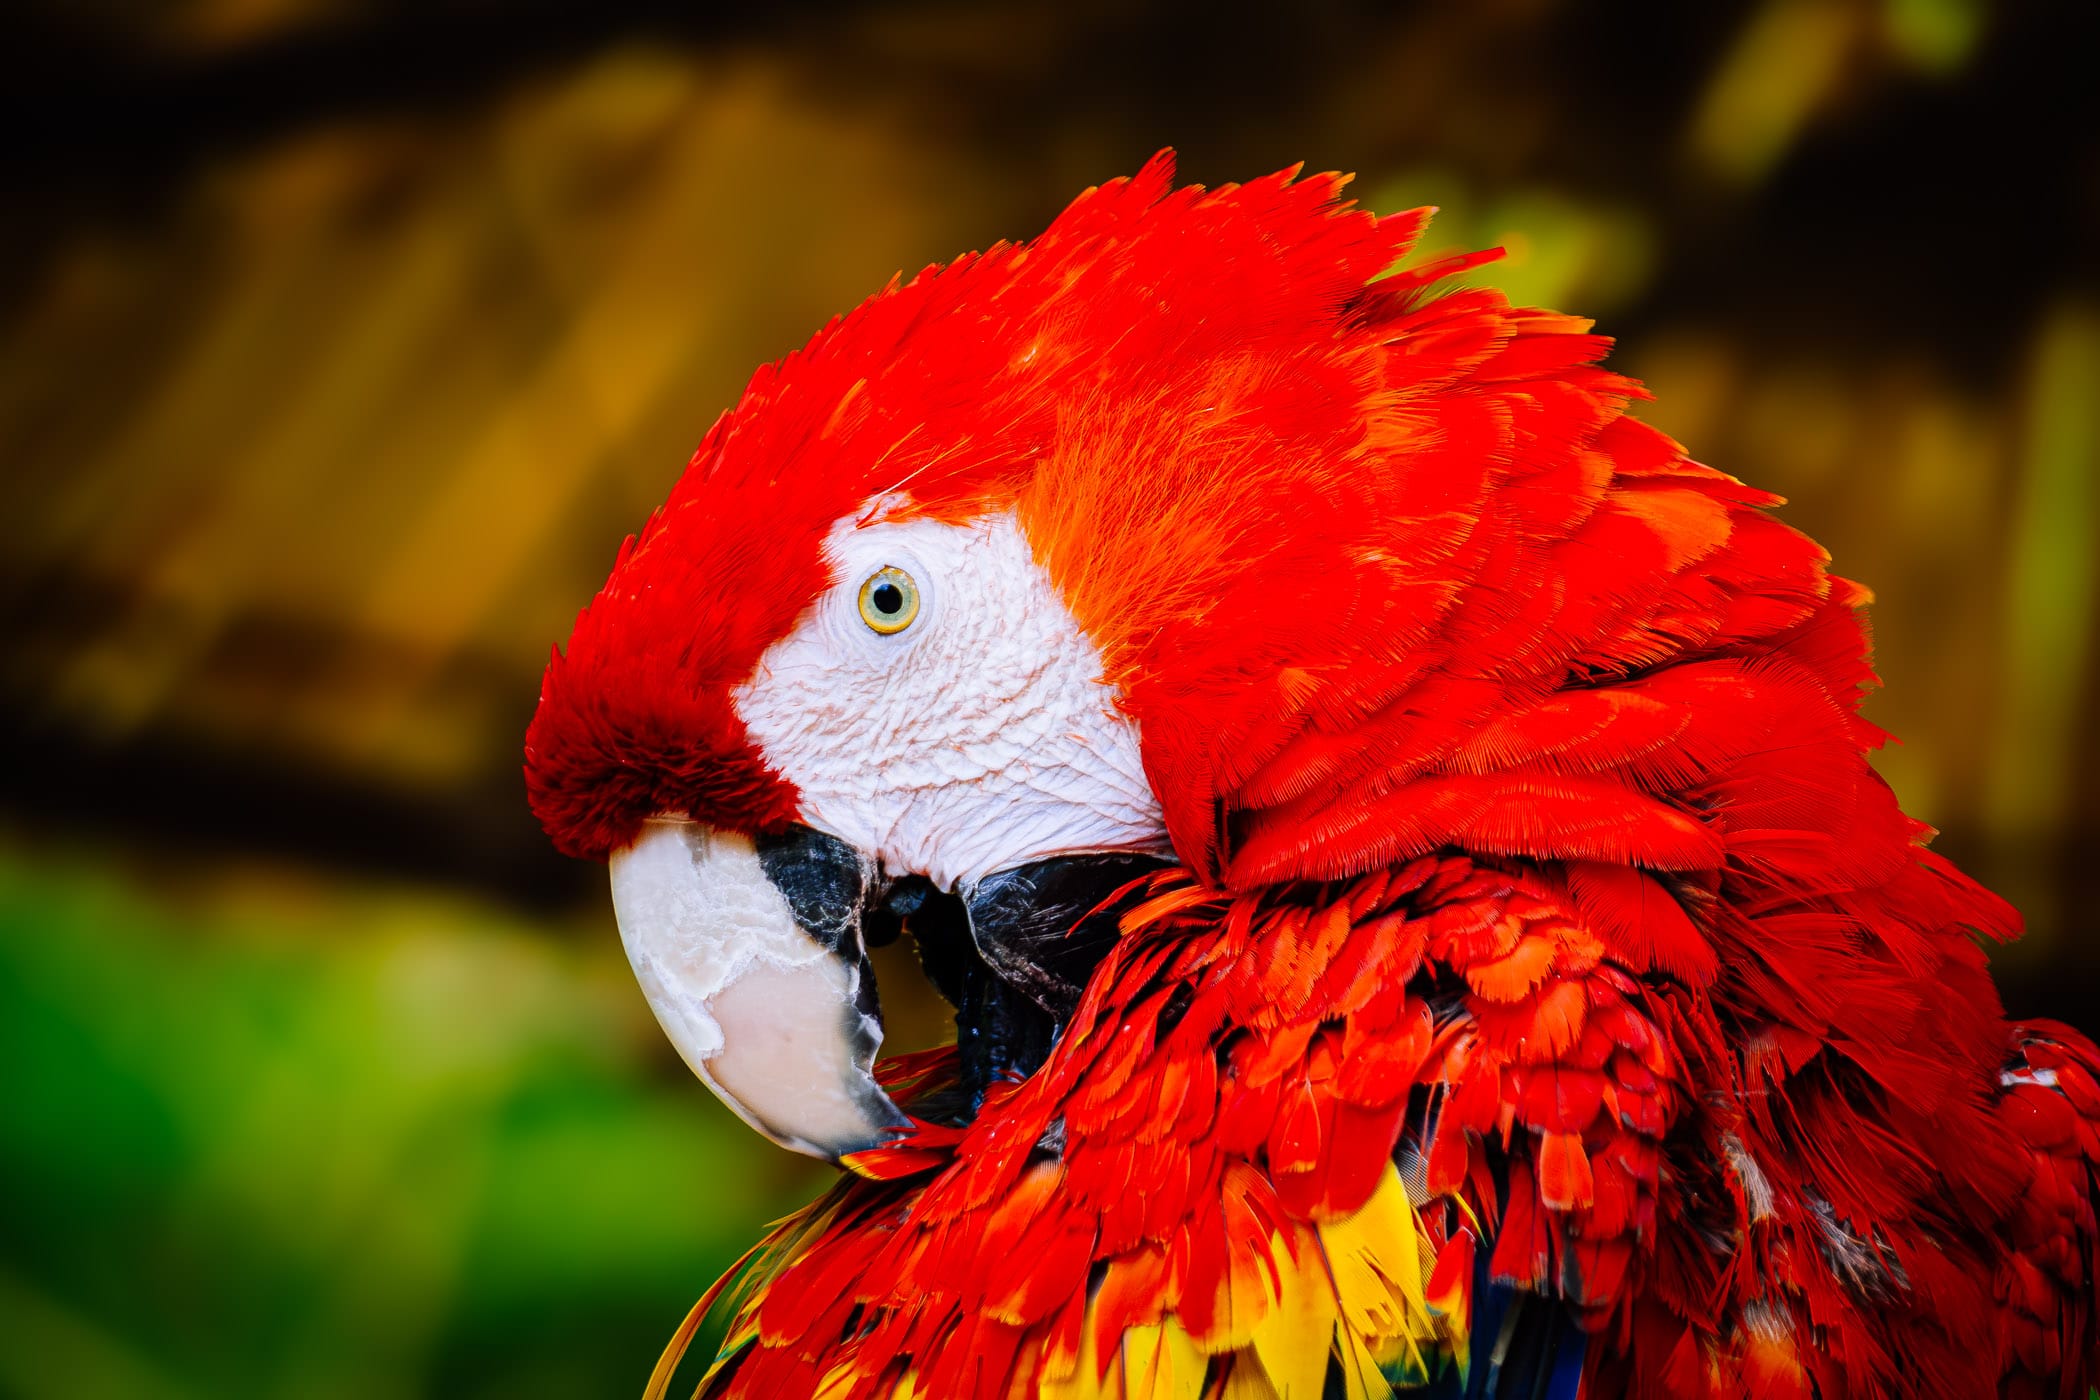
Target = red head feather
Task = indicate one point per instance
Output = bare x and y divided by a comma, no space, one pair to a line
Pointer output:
959,389
1376,569
1382,571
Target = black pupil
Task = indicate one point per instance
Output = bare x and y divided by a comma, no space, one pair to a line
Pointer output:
888,599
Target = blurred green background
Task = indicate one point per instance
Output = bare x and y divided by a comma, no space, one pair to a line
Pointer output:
342,341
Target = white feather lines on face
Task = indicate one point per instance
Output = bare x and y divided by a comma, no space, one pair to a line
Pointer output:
976,739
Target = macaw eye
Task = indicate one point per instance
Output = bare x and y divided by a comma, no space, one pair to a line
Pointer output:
889,600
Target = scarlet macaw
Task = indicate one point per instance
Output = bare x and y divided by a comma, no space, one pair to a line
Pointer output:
1396,832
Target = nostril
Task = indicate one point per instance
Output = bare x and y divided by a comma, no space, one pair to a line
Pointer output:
884,920
908,895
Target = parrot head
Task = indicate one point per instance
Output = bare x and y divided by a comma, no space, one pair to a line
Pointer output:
1183,534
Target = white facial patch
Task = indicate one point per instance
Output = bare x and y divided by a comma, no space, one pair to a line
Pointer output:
762,1012
978,738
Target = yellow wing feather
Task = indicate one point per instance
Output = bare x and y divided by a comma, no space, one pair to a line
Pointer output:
1353,1289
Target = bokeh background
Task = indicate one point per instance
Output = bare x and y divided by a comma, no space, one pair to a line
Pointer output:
342,341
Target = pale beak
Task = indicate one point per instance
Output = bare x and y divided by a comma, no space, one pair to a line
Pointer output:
752,958
753,954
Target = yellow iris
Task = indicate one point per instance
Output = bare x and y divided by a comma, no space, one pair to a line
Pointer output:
889,600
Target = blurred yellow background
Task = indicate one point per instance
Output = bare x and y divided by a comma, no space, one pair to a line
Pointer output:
342,341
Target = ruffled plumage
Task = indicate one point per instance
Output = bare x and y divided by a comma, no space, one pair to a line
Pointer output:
1541,927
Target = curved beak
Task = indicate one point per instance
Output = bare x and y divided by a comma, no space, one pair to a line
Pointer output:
751,956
